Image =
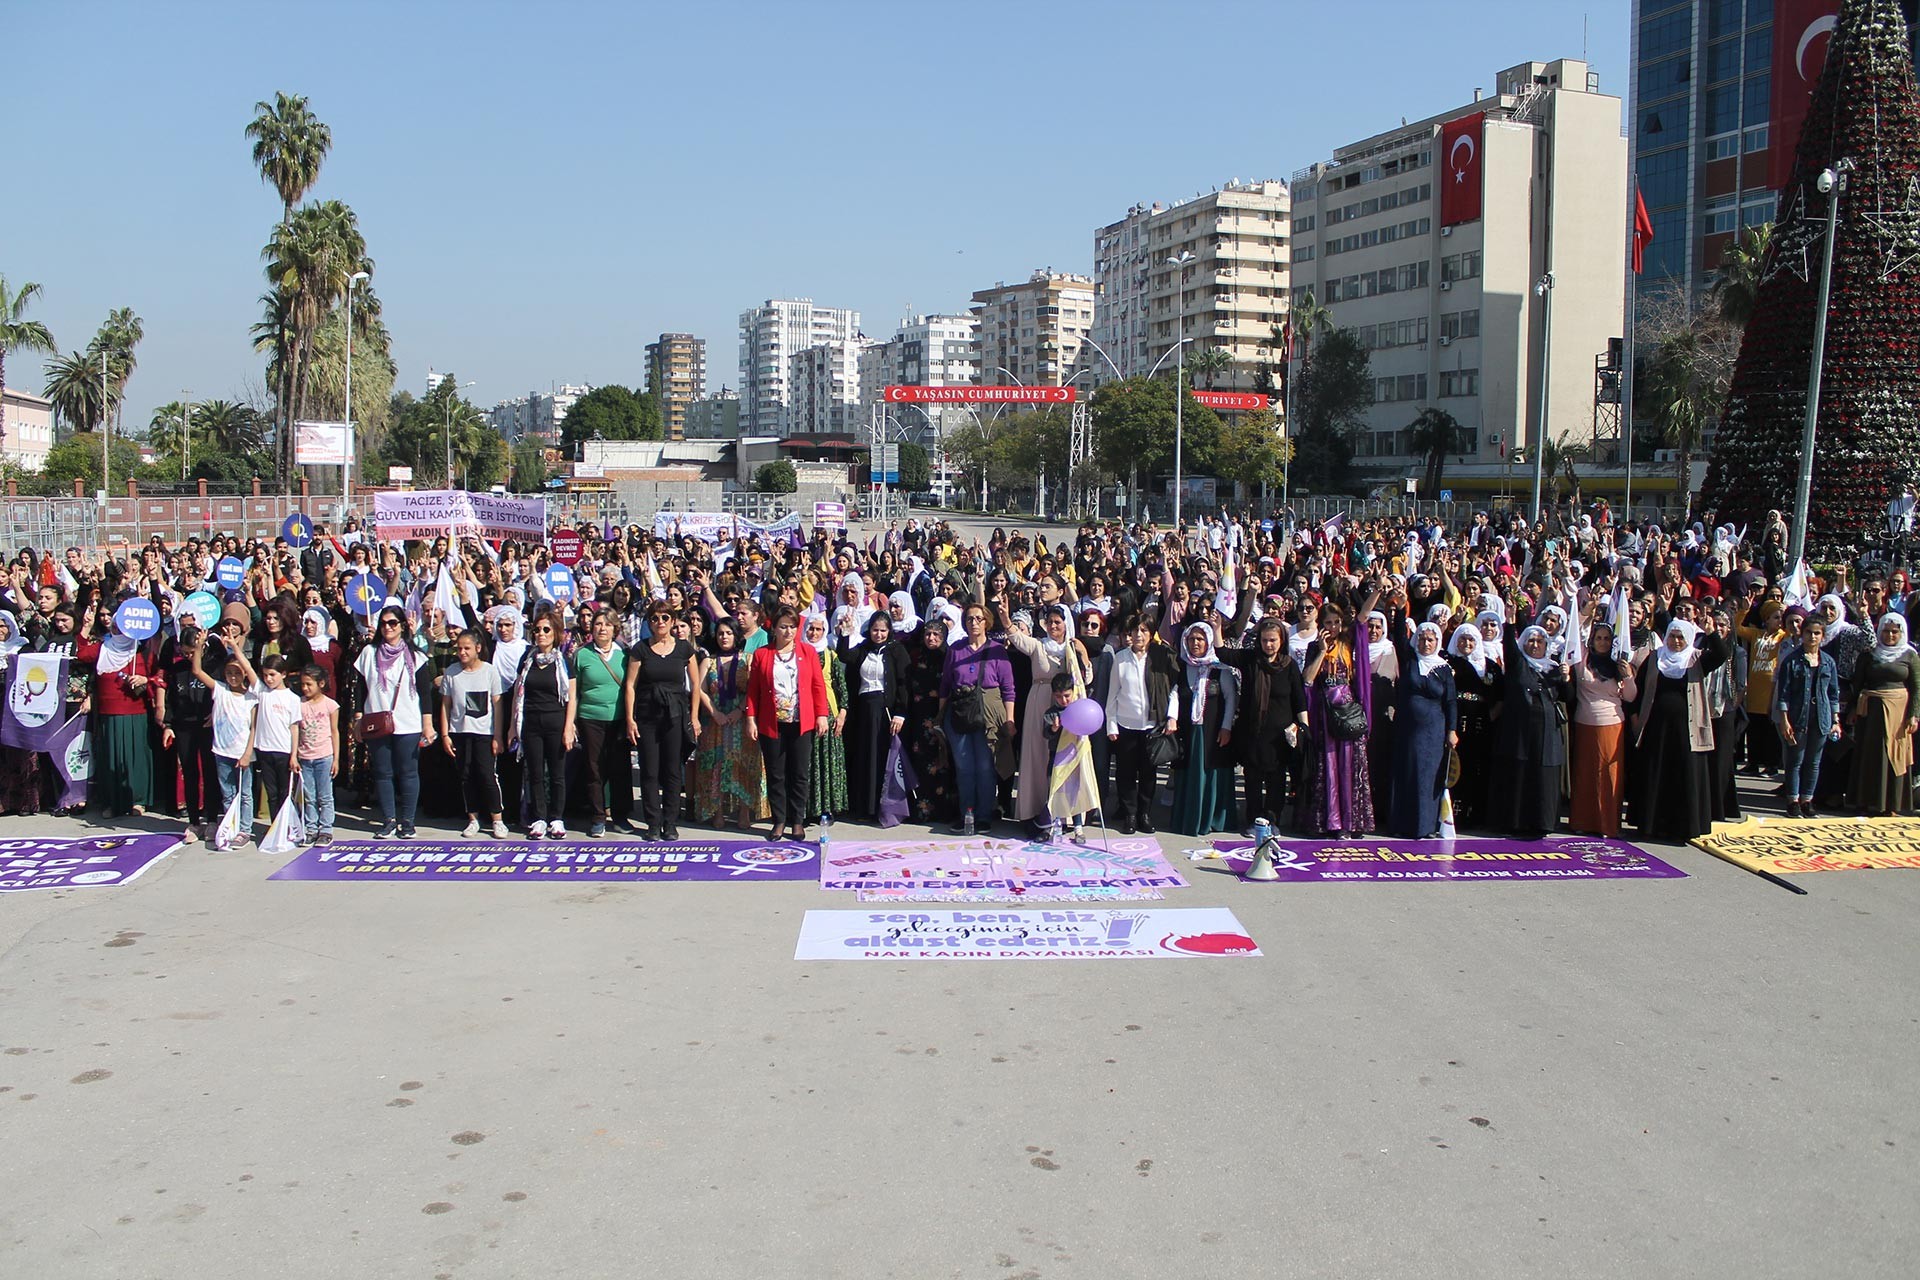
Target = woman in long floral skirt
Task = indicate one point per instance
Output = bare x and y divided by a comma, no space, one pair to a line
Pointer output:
827,784
729,779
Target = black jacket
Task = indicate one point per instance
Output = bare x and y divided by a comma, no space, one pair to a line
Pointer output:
893,676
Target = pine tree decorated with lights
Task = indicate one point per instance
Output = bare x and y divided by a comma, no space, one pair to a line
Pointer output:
1864,110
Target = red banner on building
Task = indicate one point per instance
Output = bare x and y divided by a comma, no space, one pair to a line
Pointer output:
1460,144
980,395
1231,399
1802,29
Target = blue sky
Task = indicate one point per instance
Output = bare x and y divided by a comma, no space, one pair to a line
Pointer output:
546,188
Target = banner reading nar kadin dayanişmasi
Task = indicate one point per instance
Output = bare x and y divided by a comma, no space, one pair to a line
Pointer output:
631,861
455,513
1184,933
79,862
1467,858
984,869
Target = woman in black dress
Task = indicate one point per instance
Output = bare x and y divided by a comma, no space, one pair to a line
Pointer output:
1670,795
1529,750
1423,721
933,797
1273,718
877,688
661,675
1478,688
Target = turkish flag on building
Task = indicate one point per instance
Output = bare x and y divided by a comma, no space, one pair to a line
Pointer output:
1642,231
1802,29
1460,143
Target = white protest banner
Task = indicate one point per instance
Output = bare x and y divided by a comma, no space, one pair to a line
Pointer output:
708,526
1164,934
434,513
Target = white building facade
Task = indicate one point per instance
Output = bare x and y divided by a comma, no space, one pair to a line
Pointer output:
823,390
26,429
771,334
1033,332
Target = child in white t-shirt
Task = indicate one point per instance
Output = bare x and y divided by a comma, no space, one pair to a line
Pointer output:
232,722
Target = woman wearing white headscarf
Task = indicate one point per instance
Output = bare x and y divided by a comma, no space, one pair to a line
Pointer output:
906,619
1209,695
1886,713
1478,688
1670,792
1423,733
1529,748
1383,666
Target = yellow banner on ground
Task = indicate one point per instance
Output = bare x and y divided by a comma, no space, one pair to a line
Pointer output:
1787,846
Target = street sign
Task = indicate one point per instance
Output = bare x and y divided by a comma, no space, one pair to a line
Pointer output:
886,468
1446,495
399,475
980,395
1413,486
1231,399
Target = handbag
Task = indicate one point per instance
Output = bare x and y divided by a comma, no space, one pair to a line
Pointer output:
968,707
1163,749
1346,720
377,724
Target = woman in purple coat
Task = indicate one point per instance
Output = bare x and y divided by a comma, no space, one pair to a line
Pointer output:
1337,675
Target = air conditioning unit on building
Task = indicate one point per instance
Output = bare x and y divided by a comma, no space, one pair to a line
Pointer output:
1445,285
1446,231
1445,341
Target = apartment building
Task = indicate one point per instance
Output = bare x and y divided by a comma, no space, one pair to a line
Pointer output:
1429,240
924,351
537,414
1213,269
715,417
771,334
1033,333
26,429
823,390
676,377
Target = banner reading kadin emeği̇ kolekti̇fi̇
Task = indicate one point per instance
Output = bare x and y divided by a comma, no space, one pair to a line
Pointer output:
633,861
1551,858
983,869
79,862
435,513
1148,934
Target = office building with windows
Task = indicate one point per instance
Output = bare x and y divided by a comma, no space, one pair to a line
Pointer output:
925,351
771,334
823,390
1213,269
1031,333
1428,241
1718,90
676,377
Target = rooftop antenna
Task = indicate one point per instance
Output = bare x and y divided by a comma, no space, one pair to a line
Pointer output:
1583,37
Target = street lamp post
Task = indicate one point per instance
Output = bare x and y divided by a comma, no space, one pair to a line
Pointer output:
1830,183
186,434
346,473
1179,414
1543,289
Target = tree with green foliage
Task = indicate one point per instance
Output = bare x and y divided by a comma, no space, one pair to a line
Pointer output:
289,145
530,472
1432,435
1207,365
916,468
1250,450
612,412
1330,404
17,333
777,476
418,437
79,388
1134,429
78,458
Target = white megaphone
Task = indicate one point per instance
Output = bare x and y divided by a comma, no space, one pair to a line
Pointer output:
1262,866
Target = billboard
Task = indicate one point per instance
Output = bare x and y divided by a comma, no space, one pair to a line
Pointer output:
321,444
1231,399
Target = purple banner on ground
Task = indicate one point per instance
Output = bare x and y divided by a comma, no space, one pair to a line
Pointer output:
79,862
1551,858
633,861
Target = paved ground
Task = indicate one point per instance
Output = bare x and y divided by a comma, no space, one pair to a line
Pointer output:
208,1075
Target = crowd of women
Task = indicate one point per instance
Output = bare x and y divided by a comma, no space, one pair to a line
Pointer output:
1337,680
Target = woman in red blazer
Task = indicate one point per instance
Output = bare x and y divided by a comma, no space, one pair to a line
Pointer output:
786,706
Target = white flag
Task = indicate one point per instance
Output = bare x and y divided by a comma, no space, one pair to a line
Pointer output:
1799,591
289,829
446,598
227,834
1621,619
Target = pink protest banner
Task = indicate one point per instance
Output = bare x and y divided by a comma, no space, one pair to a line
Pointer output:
985,869
568,546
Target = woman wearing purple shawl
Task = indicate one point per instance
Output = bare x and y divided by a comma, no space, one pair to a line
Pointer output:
1338,672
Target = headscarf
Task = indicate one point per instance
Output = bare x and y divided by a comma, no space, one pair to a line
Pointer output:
1483,618
1895,651
1202,664
806,625
1439,614
1839,623
1379,650
1541,664
1477,658
116,651
1674,666
508,653
1429,662
322,642
15,640
1057,649
1600,661
909,622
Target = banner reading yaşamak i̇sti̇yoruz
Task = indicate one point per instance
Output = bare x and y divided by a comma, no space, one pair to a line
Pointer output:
434,513
79,862
983,869
719,526
1466,858
1149,934
633,861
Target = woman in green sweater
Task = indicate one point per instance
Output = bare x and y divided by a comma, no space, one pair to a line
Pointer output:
593,714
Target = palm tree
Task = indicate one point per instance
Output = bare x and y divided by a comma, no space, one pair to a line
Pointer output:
1209,363
1687,381
1432,436
1309,318
17,333
169,431
116,341
78,389
289,145
230,428
1737,281
310,262
1557,455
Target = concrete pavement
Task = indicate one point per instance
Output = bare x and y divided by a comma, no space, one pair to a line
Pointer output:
207,1074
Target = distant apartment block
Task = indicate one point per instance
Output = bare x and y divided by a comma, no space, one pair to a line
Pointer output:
676,377
771,334
1031,333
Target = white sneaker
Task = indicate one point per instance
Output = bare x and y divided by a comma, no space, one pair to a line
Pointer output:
556,831
499,830
538,831
471,830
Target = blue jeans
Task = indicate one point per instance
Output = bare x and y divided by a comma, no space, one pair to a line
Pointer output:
396,777
316,795
232,779
1803,764
973,770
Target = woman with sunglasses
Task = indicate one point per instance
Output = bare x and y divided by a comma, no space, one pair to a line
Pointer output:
542,693
396,682
662,672
600,675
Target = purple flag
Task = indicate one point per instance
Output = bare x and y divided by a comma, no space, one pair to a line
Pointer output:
36,701
72,750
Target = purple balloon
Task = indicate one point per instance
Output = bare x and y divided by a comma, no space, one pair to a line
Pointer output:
1082,716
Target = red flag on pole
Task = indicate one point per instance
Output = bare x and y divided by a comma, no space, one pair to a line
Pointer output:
1460,144
1642,231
